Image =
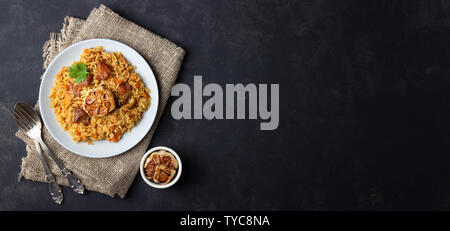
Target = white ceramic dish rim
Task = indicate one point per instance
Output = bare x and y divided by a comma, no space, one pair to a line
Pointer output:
132,139
155,185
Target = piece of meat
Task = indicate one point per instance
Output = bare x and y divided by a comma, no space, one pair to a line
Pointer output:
86,120
123,88
79,115
103,71
76,90
124,99
87,81
124,93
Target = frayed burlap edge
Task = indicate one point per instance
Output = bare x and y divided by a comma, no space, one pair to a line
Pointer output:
59,41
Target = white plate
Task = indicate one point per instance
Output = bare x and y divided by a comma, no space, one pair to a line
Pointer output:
104,148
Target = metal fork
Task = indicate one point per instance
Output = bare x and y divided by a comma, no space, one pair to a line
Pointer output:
29,121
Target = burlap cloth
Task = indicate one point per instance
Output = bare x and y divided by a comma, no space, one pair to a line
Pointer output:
111,176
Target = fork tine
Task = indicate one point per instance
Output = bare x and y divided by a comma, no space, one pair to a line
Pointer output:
23,126
21,109
21,118
30,111
26,116
16,119
21,121
16,115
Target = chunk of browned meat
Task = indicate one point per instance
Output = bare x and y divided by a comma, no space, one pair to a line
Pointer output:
87,81
124,92
76,90
103,71
123,88
79,115
86,120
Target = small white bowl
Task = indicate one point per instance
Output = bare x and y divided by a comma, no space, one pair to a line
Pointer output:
156,185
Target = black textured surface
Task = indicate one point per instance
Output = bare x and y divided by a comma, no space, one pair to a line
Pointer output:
364,104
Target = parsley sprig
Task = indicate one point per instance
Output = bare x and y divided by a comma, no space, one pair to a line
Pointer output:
78,71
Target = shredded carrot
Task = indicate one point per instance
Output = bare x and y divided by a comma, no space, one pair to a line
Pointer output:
116,137
118,81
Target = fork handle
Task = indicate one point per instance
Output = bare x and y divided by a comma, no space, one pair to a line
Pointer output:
53,187
74,182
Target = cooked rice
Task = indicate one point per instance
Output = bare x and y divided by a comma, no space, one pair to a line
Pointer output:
114,124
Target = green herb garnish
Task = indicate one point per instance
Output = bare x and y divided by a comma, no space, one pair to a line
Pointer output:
78,71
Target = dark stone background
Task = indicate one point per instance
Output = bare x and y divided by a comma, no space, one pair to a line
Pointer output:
364,104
